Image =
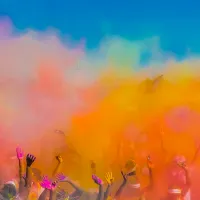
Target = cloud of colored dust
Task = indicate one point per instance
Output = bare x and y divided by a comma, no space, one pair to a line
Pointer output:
112,102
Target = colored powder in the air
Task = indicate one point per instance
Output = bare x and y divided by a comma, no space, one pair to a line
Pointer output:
110,107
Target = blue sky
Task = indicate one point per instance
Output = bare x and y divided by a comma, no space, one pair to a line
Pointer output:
177,23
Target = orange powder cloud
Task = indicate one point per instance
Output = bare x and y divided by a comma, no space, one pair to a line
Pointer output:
101,99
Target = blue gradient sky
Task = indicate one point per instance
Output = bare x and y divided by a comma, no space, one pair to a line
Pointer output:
177,23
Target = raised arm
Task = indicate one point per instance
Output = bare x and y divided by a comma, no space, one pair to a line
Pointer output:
20,156
30,159
25,188
58,166
49,189
99,182
121,188
110,179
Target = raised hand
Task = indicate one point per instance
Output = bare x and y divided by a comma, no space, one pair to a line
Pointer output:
20,153
97,180
109,178
121,188
61,177
59,158
30,160
47,184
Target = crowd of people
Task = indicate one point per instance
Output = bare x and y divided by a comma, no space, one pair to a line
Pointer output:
26,187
